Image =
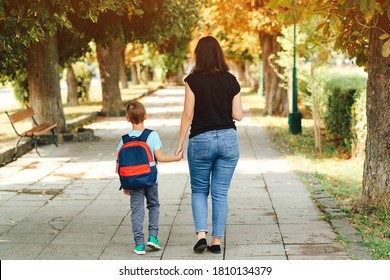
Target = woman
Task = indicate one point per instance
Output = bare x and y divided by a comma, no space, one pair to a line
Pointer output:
212,103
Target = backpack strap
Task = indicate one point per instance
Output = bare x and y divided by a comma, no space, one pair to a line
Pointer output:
143,137
145,134
125,138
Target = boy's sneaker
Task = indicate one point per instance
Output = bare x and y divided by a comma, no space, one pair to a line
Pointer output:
140,249
153,243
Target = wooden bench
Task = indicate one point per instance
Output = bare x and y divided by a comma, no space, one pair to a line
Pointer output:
32,133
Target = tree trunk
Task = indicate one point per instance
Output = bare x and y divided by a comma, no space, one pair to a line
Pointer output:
276,95
134,74
376,178
122,68
73,95
317,131
248,76
108,58
240,66
175,78
44,82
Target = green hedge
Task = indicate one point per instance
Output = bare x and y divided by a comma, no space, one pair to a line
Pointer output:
341,104
342,90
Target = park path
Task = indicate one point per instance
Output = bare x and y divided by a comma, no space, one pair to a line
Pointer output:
66,204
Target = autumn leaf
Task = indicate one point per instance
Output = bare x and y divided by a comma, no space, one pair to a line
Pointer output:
384,36
386,49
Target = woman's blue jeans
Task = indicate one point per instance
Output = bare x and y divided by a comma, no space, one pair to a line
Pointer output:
212,159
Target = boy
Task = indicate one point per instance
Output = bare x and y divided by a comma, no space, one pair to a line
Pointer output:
136,114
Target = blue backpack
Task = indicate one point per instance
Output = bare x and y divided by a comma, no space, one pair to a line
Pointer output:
135,164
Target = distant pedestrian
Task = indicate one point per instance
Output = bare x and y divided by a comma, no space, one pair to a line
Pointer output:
136,114
212,103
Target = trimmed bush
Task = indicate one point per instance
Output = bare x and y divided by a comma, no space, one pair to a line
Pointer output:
84,76
342,89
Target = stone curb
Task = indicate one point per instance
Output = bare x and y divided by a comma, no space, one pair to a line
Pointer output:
350,237
8,151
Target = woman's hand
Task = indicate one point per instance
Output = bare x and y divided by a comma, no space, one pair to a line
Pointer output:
179,150
179,156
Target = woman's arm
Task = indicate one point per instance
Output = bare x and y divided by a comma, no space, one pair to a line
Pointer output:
237,111
186,117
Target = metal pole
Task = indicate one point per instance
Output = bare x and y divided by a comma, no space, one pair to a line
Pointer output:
294,119
295,81
260,91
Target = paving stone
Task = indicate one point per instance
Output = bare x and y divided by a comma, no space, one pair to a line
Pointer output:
304,238
180,252
27,237
320,257
71,252
330,249
20,251
305,228
253,251
118,251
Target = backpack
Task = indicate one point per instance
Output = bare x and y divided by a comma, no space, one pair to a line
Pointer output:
135,165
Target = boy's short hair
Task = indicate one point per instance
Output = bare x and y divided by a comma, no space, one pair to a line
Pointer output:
136,112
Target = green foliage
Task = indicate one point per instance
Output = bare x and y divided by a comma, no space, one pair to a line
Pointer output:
163,60
342,91
341,104
313,50
83,76
23,22
174,53
71,52
374,225
162,20
348,23
20,87
305,88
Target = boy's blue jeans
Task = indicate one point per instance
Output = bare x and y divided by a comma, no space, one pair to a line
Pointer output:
212,159
137,204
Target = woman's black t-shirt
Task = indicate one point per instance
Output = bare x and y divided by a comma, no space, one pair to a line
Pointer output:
214,94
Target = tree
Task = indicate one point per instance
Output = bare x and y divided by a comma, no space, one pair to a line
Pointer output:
28,41
376,179
362,30
235,19
103,23
68,55
113,28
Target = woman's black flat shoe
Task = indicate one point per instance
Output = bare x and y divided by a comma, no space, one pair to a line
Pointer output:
200,246
215,249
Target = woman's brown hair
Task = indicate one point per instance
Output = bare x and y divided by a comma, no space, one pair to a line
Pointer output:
209,57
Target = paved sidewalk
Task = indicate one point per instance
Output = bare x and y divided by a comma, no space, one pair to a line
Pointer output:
66,205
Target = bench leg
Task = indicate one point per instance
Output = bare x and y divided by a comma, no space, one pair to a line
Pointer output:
36,145
53,137
16,149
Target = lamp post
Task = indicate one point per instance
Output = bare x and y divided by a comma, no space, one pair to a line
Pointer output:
260,91
294,118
